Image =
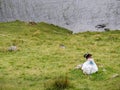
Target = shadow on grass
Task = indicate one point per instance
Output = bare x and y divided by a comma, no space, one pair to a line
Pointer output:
98,76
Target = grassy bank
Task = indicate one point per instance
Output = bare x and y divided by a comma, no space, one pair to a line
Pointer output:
46,52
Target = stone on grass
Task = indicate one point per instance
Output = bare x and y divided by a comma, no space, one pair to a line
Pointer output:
12,48
115,75
62,46
78,66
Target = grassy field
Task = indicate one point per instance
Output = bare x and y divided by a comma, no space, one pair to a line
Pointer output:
47,54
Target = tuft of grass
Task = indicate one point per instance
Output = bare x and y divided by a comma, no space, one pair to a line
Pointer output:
61,83
58,83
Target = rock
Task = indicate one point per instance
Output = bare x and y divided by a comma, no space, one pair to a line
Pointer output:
106,29
78,66
12,48
115,75
62,46
32,23
104,70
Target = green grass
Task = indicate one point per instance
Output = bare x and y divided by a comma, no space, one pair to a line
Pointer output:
40,59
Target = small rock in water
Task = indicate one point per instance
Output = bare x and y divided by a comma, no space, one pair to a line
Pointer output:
100,26
12,48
